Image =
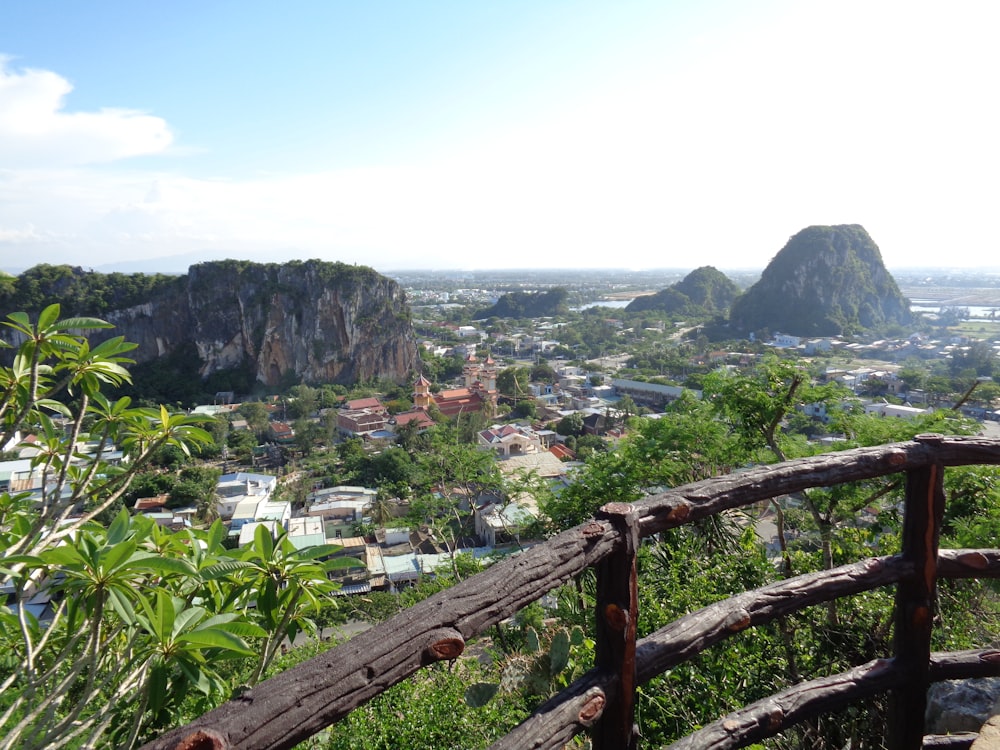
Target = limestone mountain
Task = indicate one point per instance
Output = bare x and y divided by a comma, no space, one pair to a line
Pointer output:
308,321
705,291
527,305
827,280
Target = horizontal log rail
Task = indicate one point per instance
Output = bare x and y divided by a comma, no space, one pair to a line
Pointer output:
292,706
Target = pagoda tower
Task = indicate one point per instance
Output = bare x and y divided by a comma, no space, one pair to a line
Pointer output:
422,398
470,370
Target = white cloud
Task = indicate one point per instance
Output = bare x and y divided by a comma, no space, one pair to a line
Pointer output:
848,113
36,131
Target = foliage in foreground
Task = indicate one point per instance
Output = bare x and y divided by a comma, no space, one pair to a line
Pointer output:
107,631
147,629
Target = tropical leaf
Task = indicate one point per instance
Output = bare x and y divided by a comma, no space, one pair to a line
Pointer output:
216,638
224,568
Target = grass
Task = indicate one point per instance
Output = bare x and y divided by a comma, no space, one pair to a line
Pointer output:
988,330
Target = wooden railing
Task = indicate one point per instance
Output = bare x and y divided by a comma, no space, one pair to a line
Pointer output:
294,705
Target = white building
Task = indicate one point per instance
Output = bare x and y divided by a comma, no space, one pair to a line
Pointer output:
885,409
232,489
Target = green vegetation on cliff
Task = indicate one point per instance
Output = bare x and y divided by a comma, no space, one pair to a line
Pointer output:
828,280
83,292
704,292
527,305
230,324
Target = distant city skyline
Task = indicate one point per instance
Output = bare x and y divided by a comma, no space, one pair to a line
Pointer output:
642,134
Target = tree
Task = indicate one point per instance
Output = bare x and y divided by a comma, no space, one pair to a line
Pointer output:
256,415
195,487
241,444
543,373
526,409
142,620
512,382
571,424
307,434
913,373
304,401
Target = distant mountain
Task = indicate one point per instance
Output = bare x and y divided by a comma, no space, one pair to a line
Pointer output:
527,305
827,280
704,291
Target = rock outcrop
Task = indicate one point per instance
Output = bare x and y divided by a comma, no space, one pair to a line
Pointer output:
303,321
704,291
827,280
526,305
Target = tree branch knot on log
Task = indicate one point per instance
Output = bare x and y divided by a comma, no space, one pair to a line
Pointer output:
974,560
616,617
737,620
593,707
444,644
203,739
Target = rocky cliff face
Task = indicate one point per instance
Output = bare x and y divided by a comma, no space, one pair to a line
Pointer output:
827,280
301,321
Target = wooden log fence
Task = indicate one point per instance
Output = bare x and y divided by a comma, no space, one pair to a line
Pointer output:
296,704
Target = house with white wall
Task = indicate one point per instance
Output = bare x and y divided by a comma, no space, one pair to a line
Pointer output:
232,489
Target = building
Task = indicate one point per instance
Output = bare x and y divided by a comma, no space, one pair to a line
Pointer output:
786,341
361,422
899,411
417,417
496,522
510,440
232,489
371,403
478,395
306,532
650,394
341,503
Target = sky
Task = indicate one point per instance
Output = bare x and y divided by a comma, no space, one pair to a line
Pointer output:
477,135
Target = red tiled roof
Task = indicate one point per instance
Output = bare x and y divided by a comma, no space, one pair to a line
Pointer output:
417,415
458,400
453,393
561,451
147,503
364,403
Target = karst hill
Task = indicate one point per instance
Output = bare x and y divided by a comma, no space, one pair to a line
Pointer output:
827,281
309,321
704,291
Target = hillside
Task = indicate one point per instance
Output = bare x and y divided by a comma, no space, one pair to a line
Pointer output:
306,321
827,280
705,291
527,305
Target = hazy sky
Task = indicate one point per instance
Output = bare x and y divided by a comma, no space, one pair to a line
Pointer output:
473,134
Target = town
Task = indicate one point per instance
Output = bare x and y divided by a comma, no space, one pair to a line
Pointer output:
537,397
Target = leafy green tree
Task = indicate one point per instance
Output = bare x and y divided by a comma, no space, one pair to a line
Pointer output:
656,454
256,415
303,401
571,424
195,486
287,584
913,373
526,408
241,444
307,435
978,358
512,382
141,620
543,373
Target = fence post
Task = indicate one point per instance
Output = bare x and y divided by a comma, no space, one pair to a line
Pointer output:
617,612
923,513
